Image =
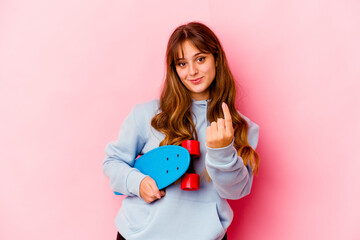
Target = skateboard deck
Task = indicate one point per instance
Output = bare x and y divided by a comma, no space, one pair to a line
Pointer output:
164,164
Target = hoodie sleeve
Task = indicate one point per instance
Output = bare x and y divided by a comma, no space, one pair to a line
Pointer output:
121,154
231,178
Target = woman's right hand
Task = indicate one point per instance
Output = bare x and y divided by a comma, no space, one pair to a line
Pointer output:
149,191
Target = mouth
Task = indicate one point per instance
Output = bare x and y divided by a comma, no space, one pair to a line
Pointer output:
196,81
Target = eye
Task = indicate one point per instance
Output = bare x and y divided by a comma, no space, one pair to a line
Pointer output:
181,64
201,59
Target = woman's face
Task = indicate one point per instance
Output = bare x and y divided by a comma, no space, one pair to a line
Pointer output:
196,70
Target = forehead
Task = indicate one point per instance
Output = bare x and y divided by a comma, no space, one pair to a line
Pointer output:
186,49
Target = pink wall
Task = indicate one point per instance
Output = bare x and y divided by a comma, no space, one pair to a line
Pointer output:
71,70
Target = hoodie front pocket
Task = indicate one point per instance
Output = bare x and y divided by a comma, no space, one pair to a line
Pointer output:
135,214
178,219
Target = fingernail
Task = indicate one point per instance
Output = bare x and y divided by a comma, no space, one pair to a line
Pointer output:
158,195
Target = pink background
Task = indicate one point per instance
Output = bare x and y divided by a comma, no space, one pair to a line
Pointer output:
70,71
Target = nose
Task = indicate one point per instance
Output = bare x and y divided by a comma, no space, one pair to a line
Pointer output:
193,69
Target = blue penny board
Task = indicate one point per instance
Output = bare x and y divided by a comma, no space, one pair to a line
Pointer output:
164,164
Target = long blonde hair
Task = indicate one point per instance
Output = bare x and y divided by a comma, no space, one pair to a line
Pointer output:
175,116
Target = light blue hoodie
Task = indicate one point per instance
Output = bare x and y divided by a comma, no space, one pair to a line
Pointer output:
204,214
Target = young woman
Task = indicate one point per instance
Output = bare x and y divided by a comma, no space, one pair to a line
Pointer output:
197,102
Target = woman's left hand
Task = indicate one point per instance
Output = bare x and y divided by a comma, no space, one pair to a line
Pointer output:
221,133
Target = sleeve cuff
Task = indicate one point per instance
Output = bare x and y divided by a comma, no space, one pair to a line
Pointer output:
222,155
133,182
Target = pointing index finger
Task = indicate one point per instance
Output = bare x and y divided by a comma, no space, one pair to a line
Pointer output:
227,115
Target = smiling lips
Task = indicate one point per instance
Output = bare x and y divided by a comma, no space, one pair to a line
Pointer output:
196,81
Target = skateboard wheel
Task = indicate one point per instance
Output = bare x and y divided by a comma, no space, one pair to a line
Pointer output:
190,182
192,146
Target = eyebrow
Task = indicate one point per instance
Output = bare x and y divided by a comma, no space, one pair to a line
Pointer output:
192,56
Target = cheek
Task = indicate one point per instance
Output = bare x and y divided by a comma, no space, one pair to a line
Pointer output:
210,70
181,73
